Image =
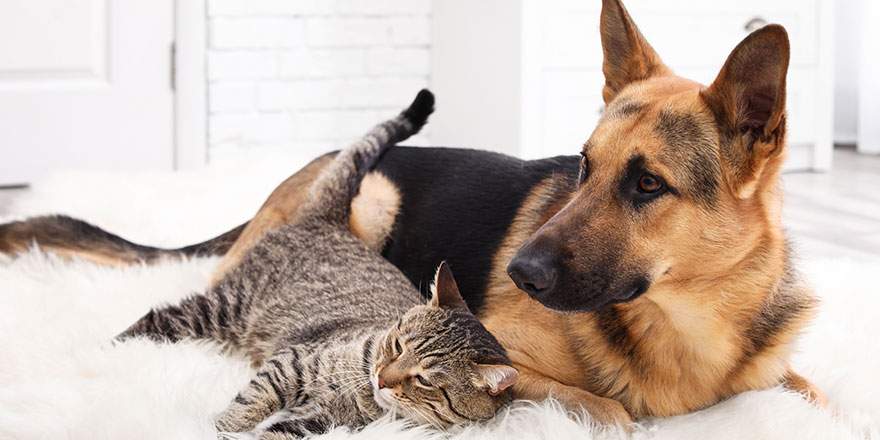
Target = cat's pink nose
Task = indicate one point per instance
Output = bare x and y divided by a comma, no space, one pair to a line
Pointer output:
382,383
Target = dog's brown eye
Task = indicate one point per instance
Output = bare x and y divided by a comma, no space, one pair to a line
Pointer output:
422,381
649,184
585,169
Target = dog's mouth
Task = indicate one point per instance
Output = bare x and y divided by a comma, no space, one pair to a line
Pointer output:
634,290
571,298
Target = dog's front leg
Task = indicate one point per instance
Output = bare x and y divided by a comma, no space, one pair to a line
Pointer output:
795,382
534,386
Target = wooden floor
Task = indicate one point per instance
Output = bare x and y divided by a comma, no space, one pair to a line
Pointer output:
834,214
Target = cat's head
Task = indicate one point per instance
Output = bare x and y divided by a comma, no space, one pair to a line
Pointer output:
439,365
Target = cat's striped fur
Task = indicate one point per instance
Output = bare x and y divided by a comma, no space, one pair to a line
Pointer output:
319,312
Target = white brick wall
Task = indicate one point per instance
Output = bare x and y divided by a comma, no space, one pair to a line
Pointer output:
311,74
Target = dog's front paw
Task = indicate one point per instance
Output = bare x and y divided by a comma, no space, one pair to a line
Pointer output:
611,412
603,410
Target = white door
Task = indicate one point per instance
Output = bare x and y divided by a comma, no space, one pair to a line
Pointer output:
85,84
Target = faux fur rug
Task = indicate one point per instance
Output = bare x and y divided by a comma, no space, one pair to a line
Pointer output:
60,378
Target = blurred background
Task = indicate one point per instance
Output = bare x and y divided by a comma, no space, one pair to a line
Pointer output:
164,85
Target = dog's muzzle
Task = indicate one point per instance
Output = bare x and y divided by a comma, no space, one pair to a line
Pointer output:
535,275
540,273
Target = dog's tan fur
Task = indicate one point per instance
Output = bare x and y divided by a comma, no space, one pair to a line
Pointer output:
279,209
723,306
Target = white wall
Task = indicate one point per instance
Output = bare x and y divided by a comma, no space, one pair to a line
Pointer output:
869,70
314,74
477,68
311,74
856,90
524,76
846,72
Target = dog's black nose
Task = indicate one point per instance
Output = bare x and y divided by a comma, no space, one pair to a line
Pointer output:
533,275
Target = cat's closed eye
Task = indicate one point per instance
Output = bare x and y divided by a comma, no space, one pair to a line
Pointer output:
421,380
397,348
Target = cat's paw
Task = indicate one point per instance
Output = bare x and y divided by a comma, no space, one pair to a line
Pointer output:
236,436
277,416
253,435
225,426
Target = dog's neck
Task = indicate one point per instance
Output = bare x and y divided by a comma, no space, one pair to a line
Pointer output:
744,276
712,336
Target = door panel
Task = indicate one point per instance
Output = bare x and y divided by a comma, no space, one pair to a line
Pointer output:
85,84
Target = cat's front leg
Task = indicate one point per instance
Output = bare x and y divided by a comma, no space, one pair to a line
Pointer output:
195,317
296,426
271,390
287,424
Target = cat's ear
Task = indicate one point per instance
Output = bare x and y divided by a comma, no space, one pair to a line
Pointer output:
497,378
445,291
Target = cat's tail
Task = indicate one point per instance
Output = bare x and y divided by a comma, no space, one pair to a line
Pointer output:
331,194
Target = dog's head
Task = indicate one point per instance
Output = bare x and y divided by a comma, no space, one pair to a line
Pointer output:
678,180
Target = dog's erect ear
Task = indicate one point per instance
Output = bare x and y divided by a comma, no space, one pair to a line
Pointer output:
628,56
446,293
748,100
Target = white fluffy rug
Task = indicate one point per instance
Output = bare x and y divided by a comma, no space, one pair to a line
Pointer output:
61,379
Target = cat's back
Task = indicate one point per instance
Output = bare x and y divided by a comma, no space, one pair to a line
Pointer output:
313,282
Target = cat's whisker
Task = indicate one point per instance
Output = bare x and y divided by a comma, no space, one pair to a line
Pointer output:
355,364
346,382
345,373
351,374
419,408
352,385
345,358
428,418
349,378
355,371
339,383
350,361
446,415
437,423
353,389
431,411
331,379
352,370
350,393
421,414
322,381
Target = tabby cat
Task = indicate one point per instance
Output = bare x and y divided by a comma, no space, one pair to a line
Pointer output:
318,312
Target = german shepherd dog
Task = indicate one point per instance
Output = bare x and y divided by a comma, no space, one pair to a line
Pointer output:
648,276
